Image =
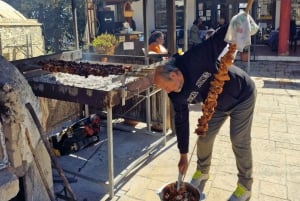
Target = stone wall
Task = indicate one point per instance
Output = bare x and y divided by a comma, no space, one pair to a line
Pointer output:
21,40
16,120
56,112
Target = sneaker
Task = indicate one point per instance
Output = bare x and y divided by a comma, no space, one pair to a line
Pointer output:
198,177
240,194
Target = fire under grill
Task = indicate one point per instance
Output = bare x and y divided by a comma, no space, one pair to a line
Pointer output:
91,83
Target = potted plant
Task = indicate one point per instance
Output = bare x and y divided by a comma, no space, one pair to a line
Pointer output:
105,43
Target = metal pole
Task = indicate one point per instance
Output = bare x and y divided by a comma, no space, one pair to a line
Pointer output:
164,109
110,152
75,24
148,109
87,15
247,10
185,35
254,13
248,65
145,3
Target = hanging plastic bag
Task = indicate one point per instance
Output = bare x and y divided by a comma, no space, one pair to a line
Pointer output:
240,29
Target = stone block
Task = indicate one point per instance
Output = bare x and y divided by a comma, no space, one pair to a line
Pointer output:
9,185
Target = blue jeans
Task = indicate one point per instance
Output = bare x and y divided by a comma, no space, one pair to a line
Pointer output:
240,135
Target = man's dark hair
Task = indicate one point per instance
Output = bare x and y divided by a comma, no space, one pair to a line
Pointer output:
165,70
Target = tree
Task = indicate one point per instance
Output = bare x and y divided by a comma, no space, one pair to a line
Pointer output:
56,17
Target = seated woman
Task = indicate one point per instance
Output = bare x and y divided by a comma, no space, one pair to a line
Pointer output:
156,42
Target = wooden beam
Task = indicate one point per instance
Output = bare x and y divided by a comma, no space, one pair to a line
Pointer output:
171,26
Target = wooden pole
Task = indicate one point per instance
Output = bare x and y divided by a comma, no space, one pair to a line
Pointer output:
171,26
249,6
38,165
49,149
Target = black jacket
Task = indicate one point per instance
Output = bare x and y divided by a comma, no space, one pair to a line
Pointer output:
198,65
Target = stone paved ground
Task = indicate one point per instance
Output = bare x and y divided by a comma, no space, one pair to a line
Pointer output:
275,141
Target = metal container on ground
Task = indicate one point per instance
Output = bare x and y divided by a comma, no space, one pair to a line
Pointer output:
187,192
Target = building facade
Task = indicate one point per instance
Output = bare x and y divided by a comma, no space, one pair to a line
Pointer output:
19,37
265,12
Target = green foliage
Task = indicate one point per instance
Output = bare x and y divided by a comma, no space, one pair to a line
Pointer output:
105,41
56,18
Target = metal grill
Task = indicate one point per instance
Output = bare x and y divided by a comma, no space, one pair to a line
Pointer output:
90,90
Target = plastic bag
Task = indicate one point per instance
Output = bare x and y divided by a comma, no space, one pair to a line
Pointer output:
240,29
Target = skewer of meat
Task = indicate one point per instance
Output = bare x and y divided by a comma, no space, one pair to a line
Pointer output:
216,86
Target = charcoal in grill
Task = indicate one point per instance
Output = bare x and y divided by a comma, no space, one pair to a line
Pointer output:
82,68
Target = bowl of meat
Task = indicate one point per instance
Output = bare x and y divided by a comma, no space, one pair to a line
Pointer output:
186,192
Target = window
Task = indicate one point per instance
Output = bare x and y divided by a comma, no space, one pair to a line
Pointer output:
208,12
160,9
295,11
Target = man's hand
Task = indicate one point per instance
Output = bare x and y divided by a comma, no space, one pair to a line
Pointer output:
183,164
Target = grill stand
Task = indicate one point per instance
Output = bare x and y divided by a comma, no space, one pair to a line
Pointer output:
104,99
113,181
